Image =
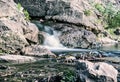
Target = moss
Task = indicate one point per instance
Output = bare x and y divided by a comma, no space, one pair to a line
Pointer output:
20,9
87,12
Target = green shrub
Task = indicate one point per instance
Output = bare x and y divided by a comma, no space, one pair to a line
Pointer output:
69,76
99,7
19,6
27,16
1,51
87,12
111,16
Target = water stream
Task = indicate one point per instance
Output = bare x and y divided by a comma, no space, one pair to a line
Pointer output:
52,43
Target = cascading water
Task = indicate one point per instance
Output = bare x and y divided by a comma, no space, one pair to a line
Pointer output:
51,38
52,42
50,35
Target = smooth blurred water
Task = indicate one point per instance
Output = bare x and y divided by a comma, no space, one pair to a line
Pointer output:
52,43
111,50
110,47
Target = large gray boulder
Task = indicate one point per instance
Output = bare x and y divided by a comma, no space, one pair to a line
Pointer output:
37,50
17,59
75,37
15,31
12,42
95,72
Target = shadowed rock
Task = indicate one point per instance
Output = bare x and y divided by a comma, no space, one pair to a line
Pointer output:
95,72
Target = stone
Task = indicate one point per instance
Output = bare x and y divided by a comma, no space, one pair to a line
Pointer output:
74,36
12,42
15,31
70,11
37,50
95,72
117,31
107,40
17,59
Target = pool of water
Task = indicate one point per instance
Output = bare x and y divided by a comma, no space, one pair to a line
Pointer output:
113,50
110,47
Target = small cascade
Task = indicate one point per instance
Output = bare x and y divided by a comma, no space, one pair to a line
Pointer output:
52,42
51,38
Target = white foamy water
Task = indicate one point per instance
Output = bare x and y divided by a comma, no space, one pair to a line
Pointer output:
51,38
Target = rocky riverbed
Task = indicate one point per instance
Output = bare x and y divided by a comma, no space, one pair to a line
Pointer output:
29,50
61,68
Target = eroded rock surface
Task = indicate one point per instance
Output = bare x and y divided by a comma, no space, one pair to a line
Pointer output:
37,50
96,72
15,31
75,36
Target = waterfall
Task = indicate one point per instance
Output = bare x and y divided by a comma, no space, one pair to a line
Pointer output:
52,42
50,35
51,38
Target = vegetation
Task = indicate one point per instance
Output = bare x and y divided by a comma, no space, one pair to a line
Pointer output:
1,51
27,16
111,16
69,76
87,12
99,7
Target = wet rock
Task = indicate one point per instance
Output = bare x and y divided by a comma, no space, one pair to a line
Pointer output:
17,59
75,37
37,50
95,72
117,31
3,67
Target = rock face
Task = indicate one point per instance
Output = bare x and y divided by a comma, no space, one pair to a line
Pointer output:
15,31
74,36
76,13
11,42
71,11
37,50
95,72
17,59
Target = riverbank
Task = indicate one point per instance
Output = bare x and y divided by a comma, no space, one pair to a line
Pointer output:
49,69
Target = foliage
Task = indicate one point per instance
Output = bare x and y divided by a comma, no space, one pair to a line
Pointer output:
27,16
87,12
111,16
99,7
19,6
1,51
111,31
69,76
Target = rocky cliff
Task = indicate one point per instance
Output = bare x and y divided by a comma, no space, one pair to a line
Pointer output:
16,32
77,14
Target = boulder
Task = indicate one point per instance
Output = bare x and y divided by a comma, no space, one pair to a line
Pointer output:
15,31
107,41
12,42
37,50
17,59
75,36
95,72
